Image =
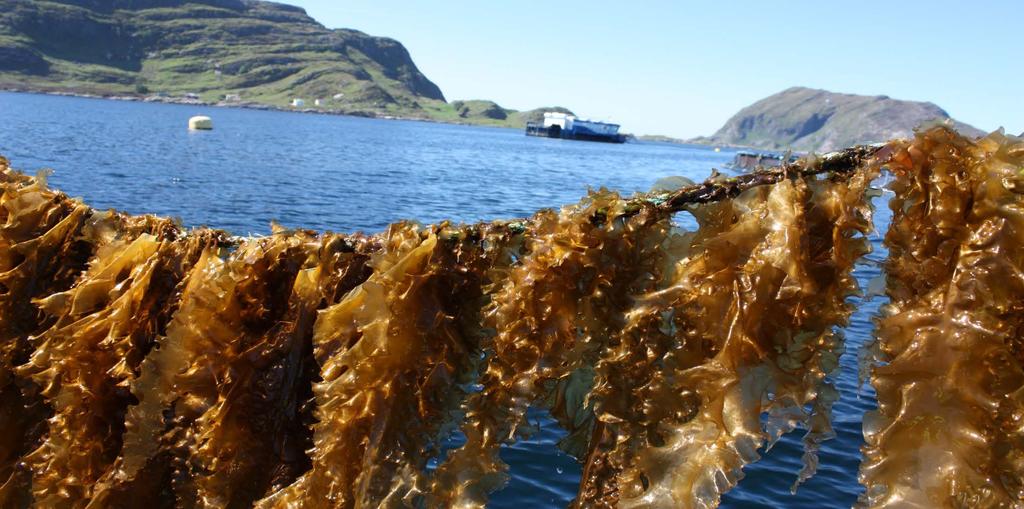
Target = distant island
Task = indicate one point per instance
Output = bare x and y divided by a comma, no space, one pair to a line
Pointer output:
227,52
807,119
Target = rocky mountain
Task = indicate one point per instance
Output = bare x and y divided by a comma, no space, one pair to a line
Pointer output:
807,119
242,51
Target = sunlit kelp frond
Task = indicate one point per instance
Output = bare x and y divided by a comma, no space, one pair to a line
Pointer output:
46,240
842,211
680,342
42,250
752,305
556,311
394,354
83,364
948,431
221,400
253,440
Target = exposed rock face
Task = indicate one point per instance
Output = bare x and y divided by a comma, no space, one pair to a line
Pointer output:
808,119
265,52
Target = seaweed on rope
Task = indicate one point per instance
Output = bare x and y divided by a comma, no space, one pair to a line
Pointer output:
140,361
949,430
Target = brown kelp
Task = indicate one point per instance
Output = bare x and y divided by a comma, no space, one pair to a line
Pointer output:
46,241
142,362
85,362
554,313
950,383
395,354
742,325
41,253
221,411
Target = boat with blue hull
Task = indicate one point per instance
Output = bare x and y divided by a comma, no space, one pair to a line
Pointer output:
568,127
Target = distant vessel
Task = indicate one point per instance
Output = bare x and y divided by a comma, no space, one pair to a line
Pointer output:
568,127
751,160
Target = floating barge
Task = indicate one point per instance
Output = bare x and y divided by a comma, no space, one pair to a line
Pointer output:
752,160
568,127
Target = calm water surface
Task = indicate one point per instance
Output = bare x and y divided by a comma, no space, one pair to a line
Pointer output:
346,174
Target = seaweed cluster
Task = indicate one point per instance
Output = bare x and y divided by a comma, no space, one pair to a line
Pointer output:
139,361
949,430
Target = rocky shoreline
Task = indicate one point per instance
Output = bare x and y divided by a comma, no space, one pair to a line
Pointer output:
187,101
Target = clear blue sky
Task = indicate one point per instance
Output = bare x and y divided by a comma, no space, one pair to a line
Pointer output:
663,67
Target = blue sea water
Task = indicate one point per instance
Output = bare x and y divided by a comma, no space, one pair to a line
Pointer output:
347,174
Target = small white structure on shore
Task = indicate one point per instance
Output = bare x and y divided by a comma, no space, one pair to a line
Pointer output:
200,123
298,103
318,102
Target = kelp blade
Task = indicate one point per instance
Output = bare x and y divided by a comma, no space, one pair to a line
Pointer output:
949,430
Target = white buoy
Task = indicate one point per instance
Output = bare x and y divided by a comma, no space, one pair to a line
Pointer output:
200,123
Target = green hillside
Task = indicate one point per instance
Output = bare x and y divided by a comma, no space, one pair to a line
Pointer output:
243,52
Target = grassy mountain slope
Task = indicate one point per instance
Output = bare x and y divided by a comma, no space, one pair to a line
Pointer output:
262,52
490,113
808,119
